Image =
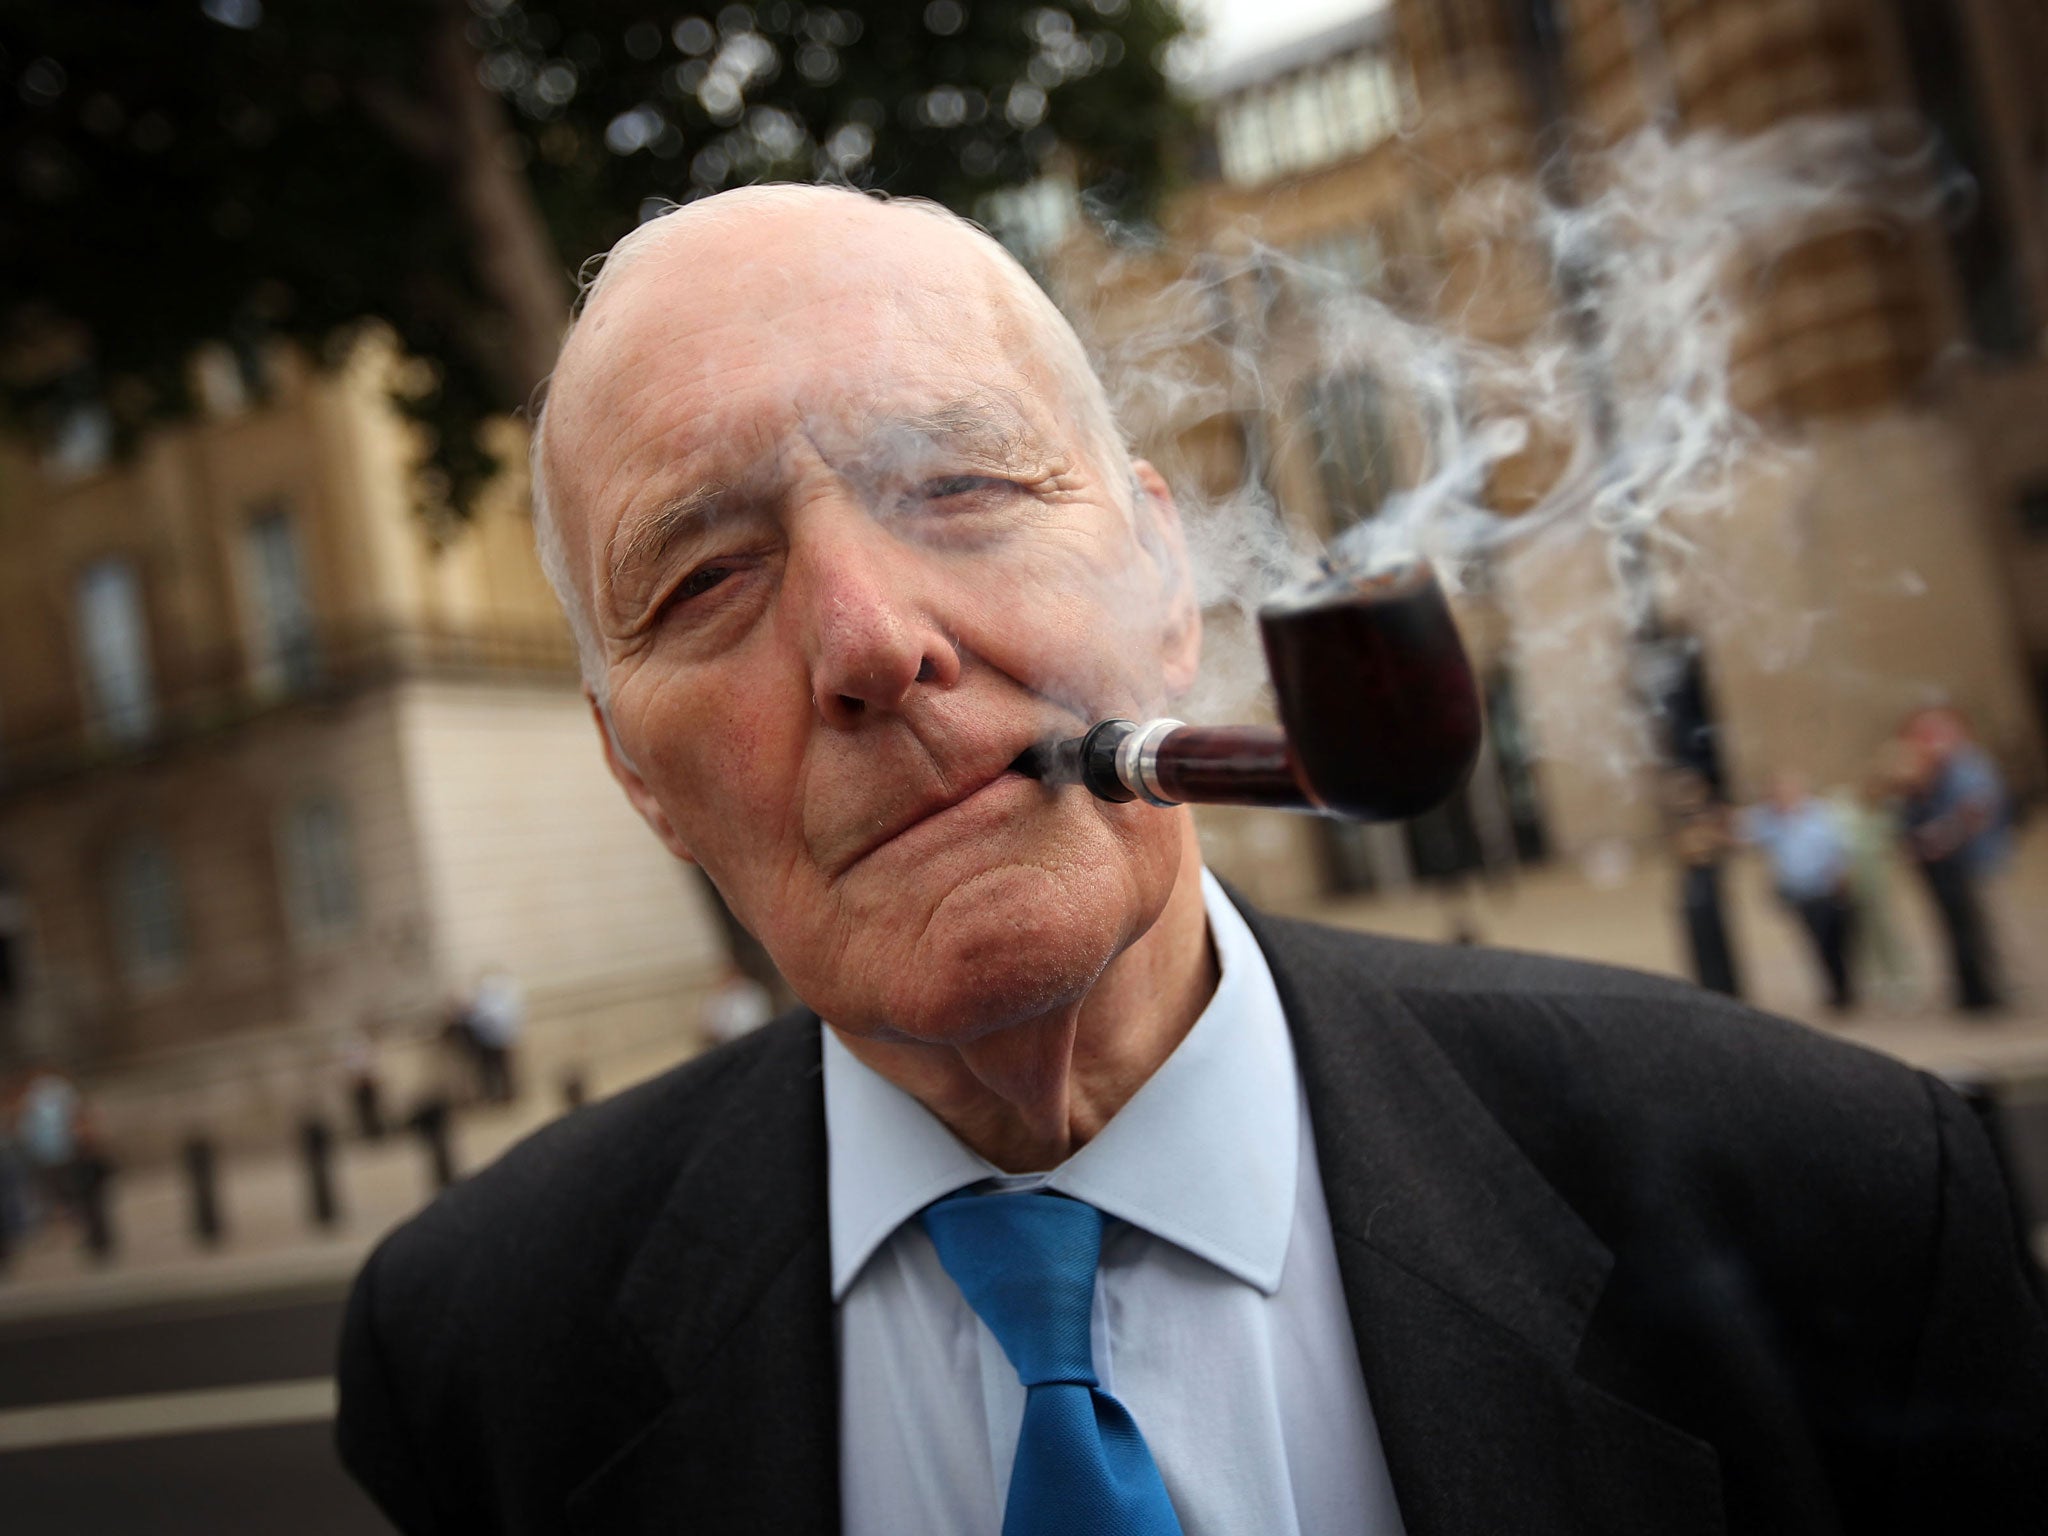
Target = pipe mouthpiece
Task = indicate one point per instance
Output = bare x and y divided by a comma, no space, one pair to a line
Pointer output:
1101,760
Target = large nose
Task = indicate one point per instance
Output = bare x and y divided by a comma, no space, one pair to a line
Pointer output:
862,602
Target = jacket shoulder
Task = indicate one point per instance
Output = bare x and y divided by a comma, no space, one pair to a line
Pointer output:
499,1301
1411,965
568,1205
1630,1087
1800,1234
1543,1013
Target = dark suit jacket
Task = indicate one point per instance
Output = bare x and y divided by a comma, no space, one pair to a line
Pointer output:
1620,1256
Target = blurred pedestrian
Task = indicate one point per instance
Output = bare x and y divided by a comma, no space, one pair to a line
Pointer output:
17,1195
204,1208
1701,840
316,1154
456,1069
1957,824
17,1204
1869,815
450,1074
46,1126
1802,838
92,1178
737,1006
497,1016
361,1067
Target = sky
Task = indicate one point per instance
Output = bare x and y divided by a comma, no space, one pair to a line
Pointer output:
1238,29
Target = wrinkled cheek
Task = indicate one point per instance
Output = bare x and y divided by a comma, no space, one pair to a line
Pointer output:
1074,620
724,785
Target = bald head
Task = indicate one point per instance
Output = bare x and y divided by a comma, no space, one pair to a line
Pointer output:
908,290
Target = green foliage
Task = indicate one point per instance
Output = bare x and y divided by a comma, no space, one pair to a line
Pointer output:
947,99
185,171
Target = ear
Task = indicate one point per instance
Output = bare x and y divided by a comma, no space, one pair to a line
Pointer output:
1181,639
636,789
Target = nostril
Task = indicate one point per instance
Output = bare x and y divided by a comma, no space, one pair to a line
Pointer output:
926,671
850,704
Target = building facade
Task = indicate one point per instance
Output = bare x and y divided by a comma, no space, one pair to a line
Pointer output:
282,759
1887,547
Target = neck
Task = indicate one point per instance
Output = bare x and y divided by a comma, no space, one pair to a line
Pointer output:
1028,1097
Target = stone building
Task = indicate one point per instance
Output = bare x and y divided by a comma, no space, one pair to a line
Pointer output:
1891,546
278,761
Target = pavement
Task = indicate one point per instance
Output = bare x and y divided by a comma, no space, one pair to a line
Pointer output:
187,1417
1614,906
269,1237
187,1391
1620,907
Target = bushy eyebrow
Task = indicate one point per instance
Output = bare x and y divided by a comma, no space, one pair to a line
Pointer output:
988,429
640,544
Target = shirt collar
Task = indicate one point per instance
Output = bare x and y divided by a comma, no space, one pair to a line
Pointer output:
1204,1155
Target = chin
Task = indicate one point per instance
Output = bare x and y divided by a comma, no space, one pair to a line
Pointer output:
1011,943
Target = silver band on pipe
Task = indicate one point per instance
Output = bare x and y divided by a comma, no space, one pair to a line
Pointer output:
1137,760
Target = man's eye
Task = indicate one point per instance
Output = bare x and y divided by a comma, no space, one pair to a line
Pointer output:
959,485
700,581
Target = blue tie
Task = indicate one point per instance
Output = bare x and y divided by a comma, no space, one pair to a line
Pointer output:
1026,1264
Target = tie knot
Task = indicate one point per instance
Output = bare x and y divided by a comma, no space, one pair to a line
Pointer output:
1026,1264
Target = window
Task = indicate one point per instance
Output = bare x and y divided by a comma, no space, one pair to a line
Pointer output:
113,635
1349,260
1982,249
319,865
80,440
1244,145
1346,414
218,380
282,654
149,914
1033,219
1311,113
1515,755
2031,504
1312,117
1358,92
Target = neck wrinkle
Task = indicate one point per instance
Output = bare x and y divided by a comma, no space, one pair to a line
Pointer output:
1027,1098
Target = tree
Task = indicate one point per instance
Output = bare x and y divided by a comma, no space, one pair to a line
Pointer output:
189,171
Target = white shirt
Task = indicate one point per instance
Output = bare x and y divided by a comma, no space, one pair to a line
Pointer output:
1219,1322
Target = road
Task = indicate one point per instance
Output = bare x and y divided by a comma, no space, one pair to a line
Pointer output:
213,1416
176,1419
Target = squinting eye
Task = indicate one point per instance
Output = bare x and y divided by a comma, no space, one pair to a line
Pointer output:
702,580
958,485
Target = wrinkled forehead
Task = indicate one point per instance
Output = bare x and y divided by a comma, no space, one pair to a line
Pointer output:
721,333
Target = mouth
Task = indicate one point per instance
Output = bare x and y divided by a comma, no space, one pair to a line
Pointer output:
1043,760
1025,767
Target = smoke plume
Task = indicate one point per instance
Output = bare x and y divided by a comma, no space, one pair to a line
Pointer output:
1575,392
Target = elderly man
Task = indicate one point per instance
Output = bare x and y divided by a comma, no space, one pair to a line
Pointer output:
1081,1197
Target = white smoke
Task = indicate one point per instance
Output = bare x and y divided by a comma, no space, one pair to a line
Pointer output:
1614,398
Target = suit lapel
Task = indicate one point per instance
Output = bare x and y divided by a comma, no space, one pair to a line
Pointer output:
1470,1282
730,1297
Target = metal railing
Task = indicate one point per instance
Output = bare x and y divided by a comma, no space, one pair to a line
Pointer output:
223,690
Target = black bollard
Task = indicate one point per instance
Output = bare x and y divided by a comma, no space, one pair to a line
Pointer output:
432,1121
366,1094
203,1186
316,1145
95,1173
